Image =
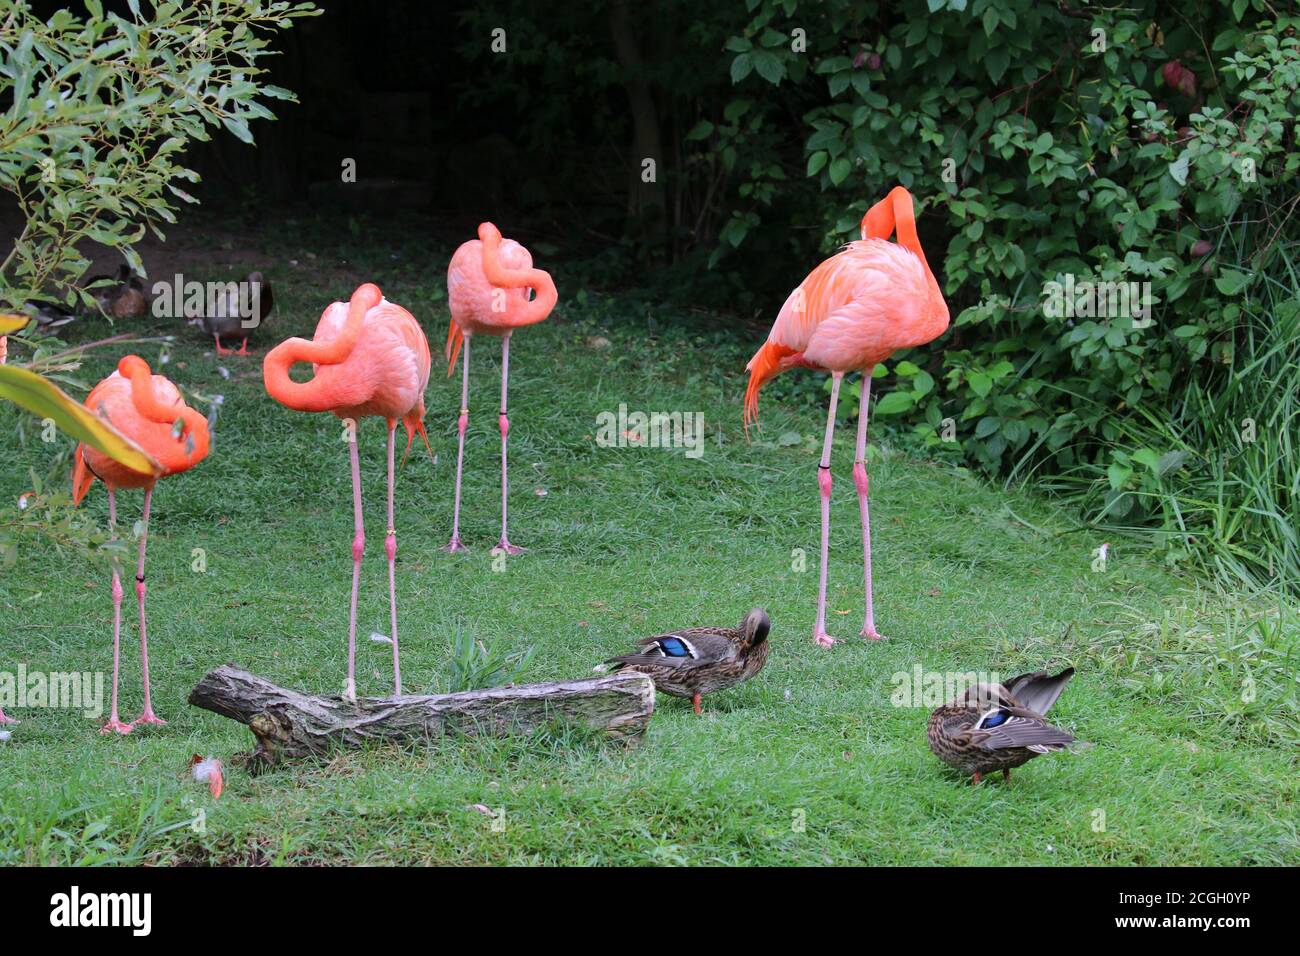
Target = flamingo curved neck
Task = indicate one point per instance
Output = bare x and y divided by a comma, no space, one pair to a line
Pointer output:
537,279
905,226
142,393
309,396
194,426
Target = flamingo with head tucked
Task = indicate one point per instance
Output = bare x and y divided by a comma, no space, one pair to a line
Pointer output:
371,358
488,288
148,409
854,310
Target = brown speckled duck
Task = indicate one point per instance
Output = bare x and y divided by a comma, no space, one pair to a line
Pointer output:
992,727
121,295
700,660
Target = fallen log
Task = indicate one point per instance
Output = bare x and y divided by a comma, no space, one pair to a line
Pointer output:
288,724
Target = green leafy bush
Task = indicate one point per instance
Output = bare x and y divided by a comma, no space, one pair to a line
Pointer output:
99,111
1063,159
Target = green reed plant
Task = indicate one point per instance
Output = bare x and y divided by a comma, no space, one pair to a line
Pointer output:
1215,471
473,664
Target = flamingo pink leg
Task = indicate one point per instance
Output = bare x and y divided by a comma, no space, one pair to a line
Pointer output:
390,547
358,548
860,480
824,482
148,717
462,423
115,724
504,544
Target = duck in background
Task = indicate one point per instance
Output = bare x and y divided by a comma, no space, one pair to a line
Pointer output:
240,312
48,314
991,727
700,660
121,295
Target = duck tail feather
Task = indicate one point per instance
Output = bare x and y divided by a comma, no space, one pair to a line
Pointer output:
1038,691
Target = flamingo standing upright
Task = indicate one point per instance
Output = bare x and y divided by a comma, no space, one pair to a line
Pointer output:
371,358
488,283
148,409
854,310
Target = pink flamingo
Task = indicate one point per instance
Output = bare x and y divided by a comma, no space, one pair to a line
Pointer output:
488,283
854,310
149,410
371,358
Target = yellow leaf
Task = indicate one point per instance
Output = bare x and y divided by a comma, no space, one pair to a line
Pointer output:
46,400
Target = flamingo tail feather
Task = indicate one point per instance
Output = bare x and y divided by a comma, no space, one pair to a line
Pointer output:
424,435
82,477
455,337
414,423
768,362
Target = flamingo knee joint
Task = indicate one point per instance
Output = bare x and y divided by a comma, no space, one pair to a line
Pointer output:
824,479
860,477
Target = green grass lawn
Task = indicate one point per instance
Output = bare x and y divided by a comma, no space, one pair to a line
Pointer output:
809,763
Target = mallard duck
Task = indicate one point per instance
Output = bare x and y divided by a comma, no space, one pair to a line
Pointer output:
992,727
700,660
49,315
235,310
121,296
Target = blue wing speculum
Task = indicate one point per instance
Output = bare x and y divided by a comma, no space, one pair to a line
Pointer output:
673,646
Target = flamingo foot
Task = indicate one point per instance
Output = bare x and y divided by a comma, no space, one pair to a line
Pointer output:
454,545
116,726
149,717
869,631
822,639
350,691
6,719
511,549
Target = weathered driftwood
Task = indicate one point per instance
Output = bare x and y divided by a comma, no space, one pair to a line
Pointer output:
287,723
